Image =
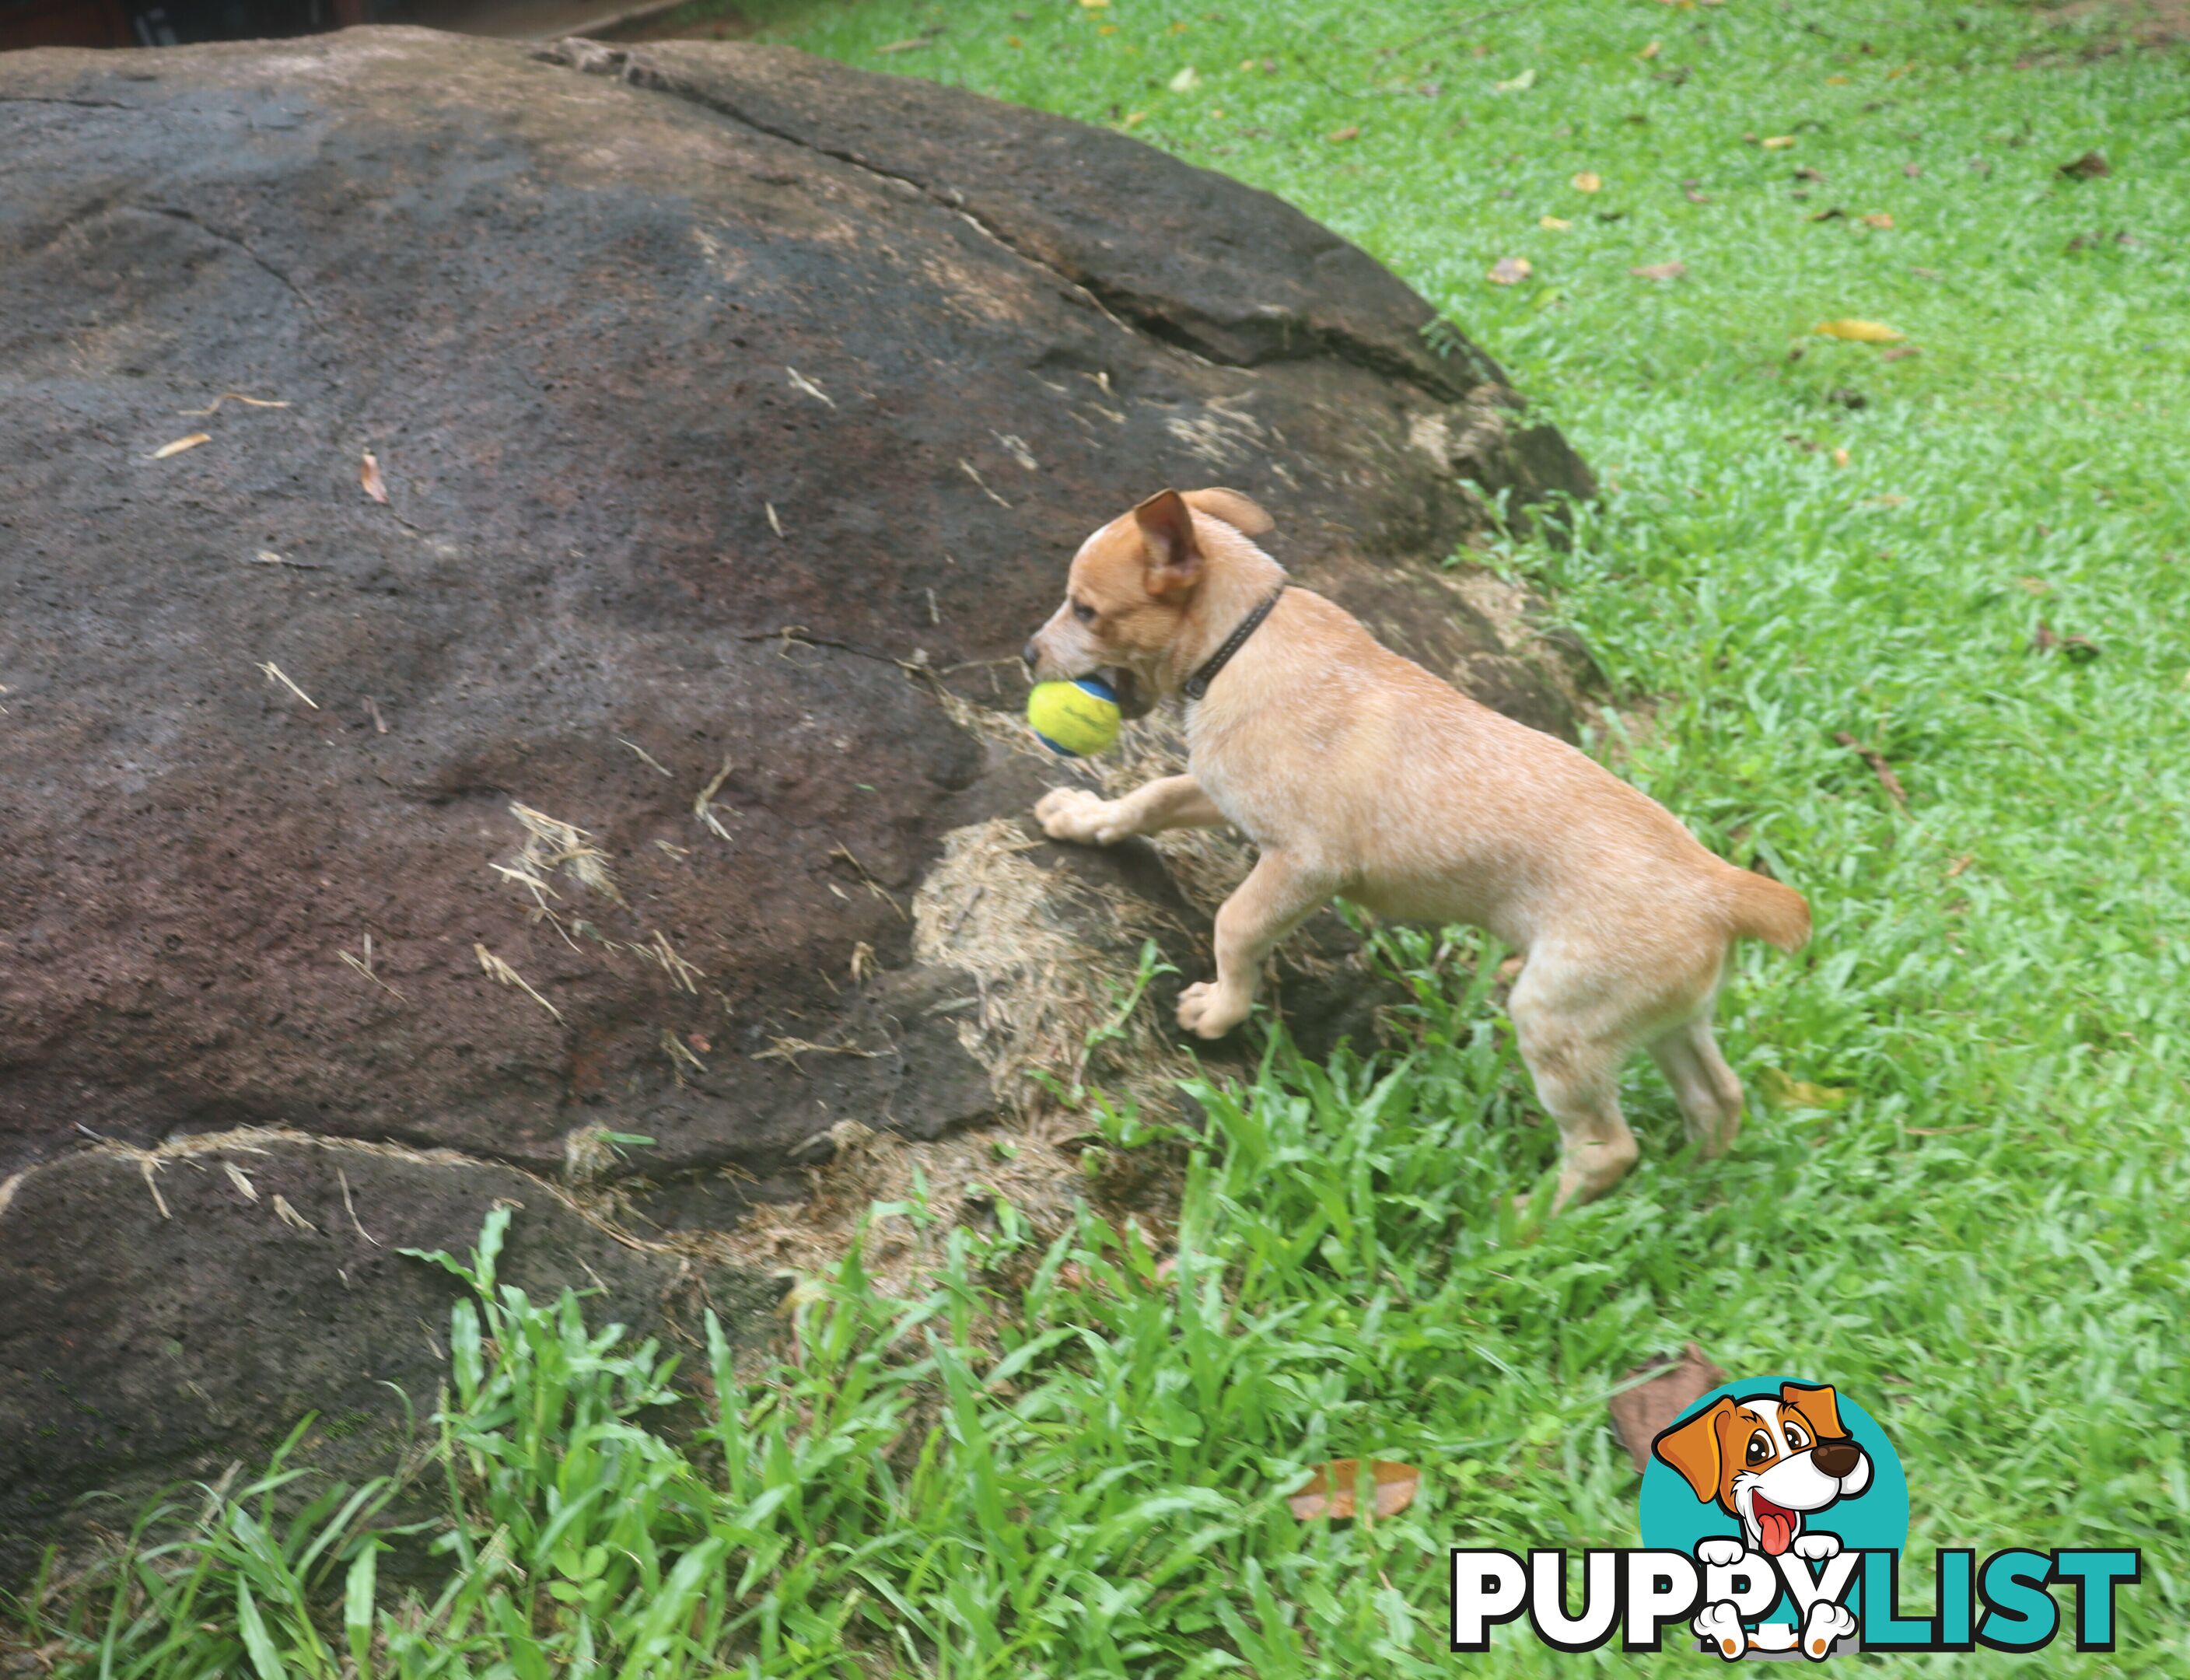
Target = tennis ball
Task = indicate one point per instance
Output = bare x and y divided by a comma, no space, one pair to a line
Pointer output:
1076,719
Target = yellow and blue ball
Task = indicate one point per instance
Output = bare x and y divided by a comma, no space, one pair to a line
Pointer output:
1077,719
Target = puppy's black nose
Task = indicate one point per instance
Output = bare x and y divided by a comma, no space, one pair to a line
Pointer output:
1032,654
1837,1459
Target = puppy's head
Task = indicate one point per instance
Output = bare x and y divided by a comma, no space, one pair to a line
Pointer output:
1132,587
1766,1459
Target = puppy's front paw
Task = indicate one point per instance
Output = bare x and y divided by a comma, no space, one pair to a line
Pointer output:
1207,1009
1720,1626
1074,814
1719,1551
1815,1548
1825,1623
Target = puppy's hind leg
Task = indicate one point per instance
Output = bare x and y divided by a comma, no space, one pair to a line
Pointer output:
1707,1091
1088,819
1575,1056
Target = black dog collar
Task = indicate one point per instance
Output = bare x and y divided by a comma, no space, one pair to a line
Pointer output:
1197,684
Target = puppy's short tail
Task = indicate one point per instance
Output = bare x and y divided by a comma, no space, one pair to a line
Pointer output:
1765,910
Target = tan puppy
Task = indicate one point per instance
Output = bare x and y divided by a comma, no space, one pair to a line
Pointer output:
1359,775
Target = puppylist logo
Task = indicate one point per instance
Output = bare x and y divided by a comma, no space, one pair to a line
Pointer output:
1774,1513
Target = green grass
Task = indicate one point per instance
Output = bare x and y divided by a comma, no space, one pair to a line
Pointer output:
1960,1194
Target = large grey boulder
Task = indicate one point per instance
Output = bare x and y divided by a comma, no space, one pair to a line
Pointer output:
646,760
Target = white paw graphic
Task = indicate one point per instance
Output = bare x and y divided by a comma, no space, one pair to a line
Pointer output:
1825,1624
1719,1551
1815,1548
1719,1626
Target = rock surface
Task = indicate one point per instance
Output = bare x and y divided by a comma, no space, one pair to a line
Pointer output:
644,761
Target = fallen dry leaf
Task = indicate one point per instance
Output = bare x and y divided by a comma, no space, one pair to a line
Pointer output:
1651,51
1899,351
1807,173
1329,1491
2082,650
1661,271
1186,81
1587,181
369,479
1556,224
1857,332
1840,457
1670,1386
2088,168
1833,214
1134,118
911,46
1878,218
1800,1093
1351,131
1912,168
1960,863
1519,84
1510,270
1879,767
1777,142
2036,586
179,444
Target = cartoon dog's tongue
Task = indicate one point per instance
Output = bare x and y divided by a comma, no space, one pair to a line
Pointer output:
1775,1526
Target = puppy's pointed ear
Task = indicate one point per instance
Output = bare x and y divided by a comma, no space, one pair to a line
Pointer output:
1692,1449
1237,511
1820,1405
1174,558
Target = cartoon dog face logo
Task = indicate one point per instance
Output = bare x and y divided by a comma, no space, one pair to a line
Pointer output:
1768,1459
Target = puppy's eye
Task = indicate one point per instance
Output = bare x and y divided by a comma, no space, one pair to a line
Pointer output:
1760,1448
1083,612
1798,1439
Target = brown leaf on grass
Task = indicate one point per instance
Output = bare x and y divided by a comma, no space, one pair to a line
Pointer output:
1351,131
1912,168
1587,181
2080,649
1661,271
1652,50
1840,457
1556,224
1857,332
1960,863
1899,351
1330,1492
1879,767
1878,218
1667,1387
369,479
1777,142
1835,214
2088,168
1807,173
179,444
911,46
1510,271
2035,586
